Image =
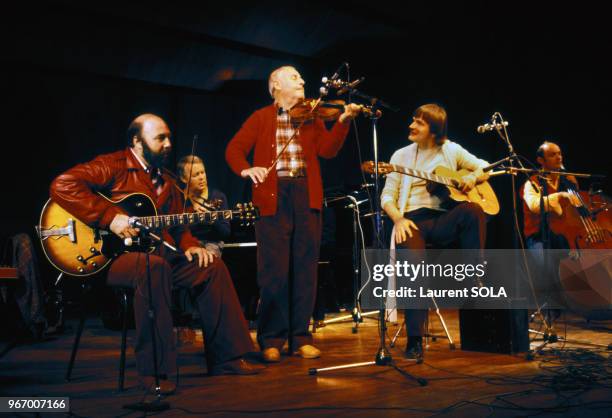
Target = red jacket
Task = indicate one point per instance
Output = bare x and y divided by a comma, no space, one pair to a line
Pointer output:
259,131
116,175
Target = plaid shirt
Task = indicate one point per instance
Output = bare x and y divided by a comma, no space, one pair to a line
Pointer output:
292,162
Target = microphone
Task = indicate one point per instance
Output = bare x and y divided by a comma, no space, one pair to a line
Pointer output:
134,222
490,127
328,82
349,86
337,73
331,82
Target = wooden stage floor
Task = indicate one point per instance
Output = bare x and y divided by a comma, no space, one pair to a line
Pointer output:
563,382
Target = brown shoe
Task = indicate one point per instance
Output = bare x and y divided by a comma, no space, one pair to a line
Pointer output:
166,387
271,355
240,367
308,351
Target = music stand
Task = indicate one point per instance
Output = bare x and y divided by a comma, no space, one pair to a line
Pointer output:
356,314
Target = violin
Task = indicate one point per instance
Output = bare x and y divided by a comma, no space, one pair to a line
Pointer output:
208,204
327,111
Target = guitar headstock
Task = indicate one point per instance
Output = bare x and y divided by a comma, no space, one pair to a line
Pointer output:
383,168
246,213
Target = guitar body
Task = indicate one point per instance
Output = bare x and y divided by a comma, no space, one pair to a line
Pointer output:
482,194
77,249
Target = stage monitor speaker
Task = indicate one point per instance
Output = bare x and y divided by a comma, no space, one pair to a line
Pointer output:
494,330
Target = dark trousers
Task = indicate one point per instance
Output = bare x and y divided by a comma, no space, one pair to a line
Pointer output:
465,223
290,237
545,268
226,334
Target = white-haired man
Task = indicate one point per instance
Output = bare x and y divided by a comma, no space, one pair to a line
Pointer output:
289,197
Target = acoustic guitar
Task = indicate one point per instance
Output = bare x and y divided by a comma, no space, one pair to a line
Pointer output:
447,182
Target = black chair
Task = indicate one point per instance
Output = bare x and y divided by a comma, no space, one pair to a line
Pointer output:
123,293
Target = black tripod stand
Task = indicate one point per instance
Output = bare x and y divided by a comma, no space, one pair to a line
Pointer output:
157,404
383,356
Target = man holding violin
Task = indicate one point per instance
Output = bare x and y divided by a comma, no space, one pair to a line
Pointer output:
287,188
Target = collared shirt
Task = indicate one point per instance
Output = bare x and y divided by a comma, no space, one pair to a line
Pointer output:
292,159
156,175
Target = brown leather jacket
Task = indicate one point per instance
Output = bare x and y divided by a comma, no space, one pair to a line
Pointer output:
116,175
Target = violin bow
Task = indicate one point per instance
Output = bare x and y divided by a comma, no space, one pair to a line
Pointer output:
186,192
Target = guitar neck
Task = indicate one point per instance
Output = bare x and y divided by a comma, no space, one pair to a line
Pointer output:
168,221
423,175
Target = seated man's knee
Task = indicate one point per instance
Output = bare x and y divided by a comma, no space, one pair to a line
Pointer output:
414,242
472,210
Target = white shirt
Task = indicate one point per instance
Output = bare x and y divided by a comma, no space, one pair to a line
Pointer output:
426,160
398,186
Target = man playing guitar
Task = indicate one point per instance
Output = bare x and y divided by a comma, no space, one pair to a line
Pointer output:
422,218
139,169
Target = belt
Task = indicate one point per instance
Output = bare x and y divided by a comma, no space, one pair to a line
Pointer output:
298,172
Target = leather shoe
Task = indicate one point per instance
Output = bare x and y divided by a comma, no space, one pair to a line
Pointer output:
308,351
319,323
271,355
414,349
239,366
166,387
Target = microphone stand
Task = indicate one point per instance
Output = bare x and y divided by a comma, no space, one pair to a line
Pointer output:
157,404
383,356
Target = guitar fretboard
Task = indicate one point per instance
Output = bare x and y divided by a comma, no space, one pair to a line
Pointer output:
423,175
167,221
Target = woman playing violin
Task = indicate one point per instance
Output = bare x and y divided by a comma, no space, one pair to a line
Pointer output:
202,199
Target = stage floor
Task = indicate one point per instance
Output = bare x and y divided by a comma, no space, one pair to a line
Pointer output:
564,381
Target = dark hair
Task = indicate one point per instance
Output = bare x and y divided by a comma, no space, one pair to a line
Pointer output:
135,129
436,118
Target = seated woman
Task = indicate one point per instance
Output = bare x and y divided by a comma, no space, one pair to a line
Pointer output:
202,199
